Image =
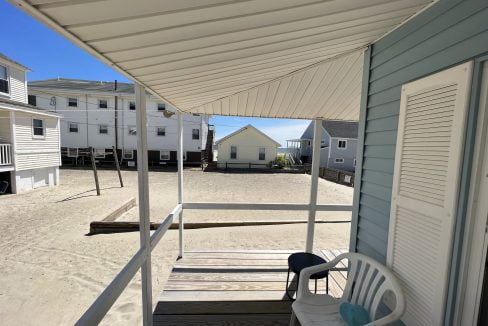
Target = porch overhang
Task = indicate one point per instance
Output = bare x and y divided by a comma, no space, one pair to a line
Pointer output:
277,58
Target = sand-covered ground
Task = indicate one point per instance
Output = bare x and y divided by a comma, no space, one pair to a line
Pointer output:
50,271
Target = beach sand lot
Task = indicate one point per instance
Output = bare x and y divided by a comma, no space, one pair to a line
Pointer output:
50,271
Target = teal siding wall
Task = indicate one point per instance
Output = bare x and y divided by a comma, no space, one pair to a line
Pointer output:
448,33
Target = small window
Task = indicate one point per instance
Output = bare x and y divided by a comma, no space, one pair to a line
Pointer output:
32,100
72,152
132,130
99,152
164,155
128,154
342,144
132,105
233,152
102,104
339,160
195,134
161,106
38,127
103,129
73,102
4,88
262,154
161,131
73,127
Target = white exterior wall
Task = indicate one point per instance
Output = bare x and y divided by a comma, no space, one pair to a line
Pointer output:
5,127
34,178
31,152
248,143
17,82
89,117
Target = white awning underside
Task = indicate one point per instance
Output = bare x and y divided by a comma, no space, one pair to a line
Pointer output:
264,58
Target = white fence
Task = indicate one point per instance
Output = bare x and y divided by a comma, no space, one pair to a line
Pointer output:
5,155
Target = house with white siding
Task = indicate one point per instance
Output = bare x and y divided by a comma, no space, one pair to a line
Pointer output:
29,137
247,147
102,115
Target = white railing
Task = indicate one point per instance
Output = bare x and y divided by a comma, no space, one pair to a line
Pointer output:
107,298
5,155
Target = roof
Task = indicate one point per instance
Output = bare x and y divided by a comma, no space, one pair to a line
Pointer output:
19,106
4,57
341,129
243,129
261,58
80,84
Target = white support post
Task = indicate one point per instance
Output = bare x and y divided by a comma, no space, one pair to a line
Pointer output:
143,192
180,183
317,140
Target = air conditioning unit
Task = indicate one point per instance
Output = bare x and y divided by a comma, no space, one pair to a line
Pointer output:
131,164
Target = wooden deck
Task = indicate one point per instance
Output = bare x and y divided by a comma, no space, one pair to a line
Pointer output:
234,288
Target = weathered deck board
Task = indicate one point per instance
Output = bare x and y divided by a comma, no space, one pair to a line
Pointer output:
235,288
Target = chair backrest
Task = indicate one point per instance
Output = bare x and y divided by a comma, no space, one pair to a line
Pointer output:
367,283
3,186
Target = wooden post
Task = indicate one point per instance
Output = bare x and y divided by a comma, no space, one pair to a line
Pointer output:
94,167
317,138
180,184
117,164
143,192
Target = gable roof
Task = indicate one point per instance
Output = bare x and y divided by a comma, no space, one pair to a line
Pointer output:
243,129
344,129
7,104
15,63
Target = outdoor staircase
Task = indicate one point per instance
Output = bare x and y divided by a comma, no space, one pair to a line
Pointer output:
207,153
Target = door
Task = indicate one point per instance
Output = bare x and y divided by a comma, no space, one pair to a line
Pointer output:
428,161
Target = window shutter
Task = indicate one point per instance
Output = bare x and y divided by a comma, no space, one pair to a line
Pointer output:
428,161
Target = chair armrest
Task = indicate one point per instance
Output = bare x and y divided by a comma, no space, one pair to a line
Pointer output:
306,273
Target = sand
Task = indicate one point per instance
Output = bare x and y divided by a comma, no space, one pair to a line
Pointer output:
51,271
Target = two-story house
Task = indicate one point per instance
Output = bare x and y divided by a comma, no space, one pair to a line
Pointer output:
29,137
338,148
102,115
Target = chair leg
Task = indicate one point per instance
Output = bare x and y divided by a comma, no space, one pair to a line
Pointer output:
293,319
327,284
286,288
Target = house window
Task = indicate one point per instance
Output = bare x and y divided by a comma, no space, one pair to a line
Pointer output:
342,144
73,127
233,152
99,152
73,102
161,106
164,155
132,130
103,129
128,154
161,131
72,152
38,127
102,104
132,105
195,134
339,160
32,100
4,80
262,154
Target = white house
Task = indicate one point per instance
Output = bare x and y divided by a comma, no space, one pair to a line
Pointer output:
29,137
246,148
102,115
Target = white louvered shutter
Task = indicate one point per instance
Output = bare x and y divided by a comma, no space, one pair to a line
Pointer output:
428,161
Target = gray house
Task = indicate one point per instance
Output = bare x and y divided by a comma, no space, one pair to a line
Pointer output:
339,144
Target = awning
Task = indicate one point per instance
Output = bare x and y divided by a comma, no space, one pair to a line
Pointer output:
263,58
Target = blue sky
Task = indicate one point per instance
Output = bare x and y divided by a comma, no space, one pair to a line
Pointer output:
50,55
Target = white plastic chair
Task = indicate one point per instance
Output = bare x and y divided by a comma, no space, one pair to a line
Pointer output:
366,285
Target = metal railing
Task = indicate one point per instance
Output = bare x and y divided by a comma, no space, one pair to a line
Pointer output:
5,154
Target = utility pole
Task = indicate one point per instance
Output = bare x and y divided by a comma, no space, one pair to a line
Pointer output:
116,118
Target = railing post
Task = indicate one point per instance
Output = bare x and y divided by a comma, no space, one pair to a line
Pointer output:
143,192
180,183
317,140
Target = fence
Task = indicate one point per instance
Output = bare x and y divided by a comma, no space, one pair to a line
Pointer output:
342,177
5,155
